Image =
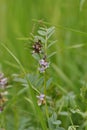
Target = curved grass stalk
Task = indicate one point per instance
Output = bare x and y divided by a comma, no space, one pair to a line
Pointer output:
62,75
15,58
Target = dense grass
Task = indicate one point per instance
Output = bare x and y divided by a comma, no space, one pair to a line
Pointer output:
68,67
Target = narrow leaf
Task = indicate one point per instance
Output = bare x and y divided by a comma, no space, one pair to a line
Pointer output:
36,56
50,30
42,33
52,43
76,46
62,75
49,82
51,34
52,54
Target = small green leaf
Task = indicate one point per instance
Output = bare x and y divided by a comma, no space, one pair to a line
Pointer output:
64,113
22,91
59,128
76,46
20,80
36,56
42,33
52,54
42,28
49,82
51,44
50,34
40,38
40,82
50,30
29,100
54,117
57,122
72,128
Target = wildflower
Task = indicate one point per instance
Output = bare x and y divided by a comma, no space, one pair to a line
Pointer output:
43,65
42,70
3,81
3,93
41,99
37,47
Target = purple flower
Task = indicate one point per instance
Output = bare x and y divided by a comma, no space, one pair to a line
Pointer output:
43,65
3,81
3,93
42,70
41,99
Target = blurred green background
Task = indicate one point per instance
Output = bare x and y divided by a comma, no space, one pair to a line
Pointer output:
68,66
16,21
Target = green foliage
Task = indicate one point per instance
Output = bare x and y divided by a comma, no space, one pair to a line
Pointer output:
71,128
54,124
84,93
66,105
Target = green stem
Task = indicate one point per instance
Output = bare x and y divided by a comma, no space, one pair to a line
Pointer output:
61,88
69,115
61,106
45,92
1,120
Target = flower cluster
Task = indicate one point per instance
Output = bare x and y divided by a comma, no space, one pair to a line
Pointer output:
43,65
37,47
41,99
3,92
3,81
